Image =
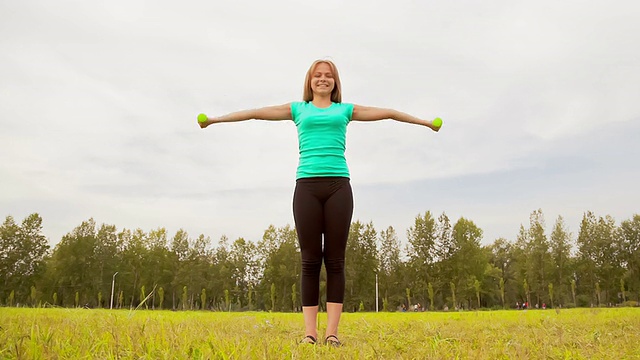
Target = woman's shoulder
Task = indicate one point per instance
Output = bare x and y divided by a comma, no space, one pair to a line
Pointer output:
344,105
346,108
299,105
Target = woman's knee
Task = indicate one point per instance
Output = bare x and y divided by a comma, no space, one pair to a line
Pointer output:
311,266
334,265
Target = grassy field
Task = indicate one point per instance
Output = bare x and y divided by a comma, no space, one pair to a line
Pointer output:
532,334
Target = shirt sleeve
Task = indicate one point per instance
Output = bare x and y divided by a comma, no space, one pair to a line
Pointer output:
296,107
348,111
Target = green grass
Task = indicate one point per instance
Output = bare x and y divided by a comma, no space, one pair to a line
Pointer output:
533,334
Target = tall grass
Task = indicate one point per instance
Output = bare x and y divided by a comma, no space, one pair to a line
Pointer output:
143,334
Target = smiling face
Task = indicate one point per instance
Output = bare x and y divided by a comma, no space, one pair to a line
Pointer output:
322,81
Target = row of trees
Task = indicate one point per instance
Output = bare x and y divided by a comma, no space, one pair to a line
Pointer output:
442,264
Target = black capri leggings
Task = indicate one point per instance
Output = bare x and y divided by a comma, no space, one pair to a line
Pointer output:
322,205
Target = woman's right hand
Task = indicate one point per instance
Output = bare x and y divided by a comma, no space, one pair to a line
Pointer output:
204,124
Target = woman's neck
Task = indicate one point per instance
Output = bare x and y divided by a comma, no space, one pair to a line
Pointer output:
321,101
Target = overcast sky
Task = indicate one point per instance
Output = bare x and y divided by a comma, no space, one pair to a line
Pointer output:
98,105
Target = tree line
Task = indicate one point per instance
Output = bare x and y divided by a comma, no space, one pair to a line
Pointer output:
443,264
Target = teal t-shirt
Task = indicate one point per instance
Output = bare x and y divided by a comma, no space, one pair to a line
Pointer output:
322,137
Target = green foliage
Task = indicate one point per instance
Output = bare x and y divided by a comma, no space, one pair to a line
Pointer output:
422,253
161,297
502,291
33,296
628,236
143,296
362,266
294,297
584,300
422,238
600,245
539,258
236,290
444,262
454,303
476,286
185,297
430,290
203,299
391,282
273,297
561,262
281,266
23,250
463,259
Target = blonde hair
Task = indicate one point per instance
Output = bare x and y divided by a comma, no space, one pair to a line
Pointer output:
336,93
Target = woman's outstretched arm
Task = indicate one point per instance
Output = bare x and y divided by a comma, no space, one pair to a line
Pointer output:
368,113
277,112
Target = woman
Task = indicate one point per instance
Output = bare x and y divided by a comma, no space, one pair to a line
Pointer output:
322,200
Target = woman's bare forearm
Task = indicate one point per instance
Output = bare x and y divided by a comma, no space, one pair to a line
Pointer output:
278,112
367,113
235,116
406,118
